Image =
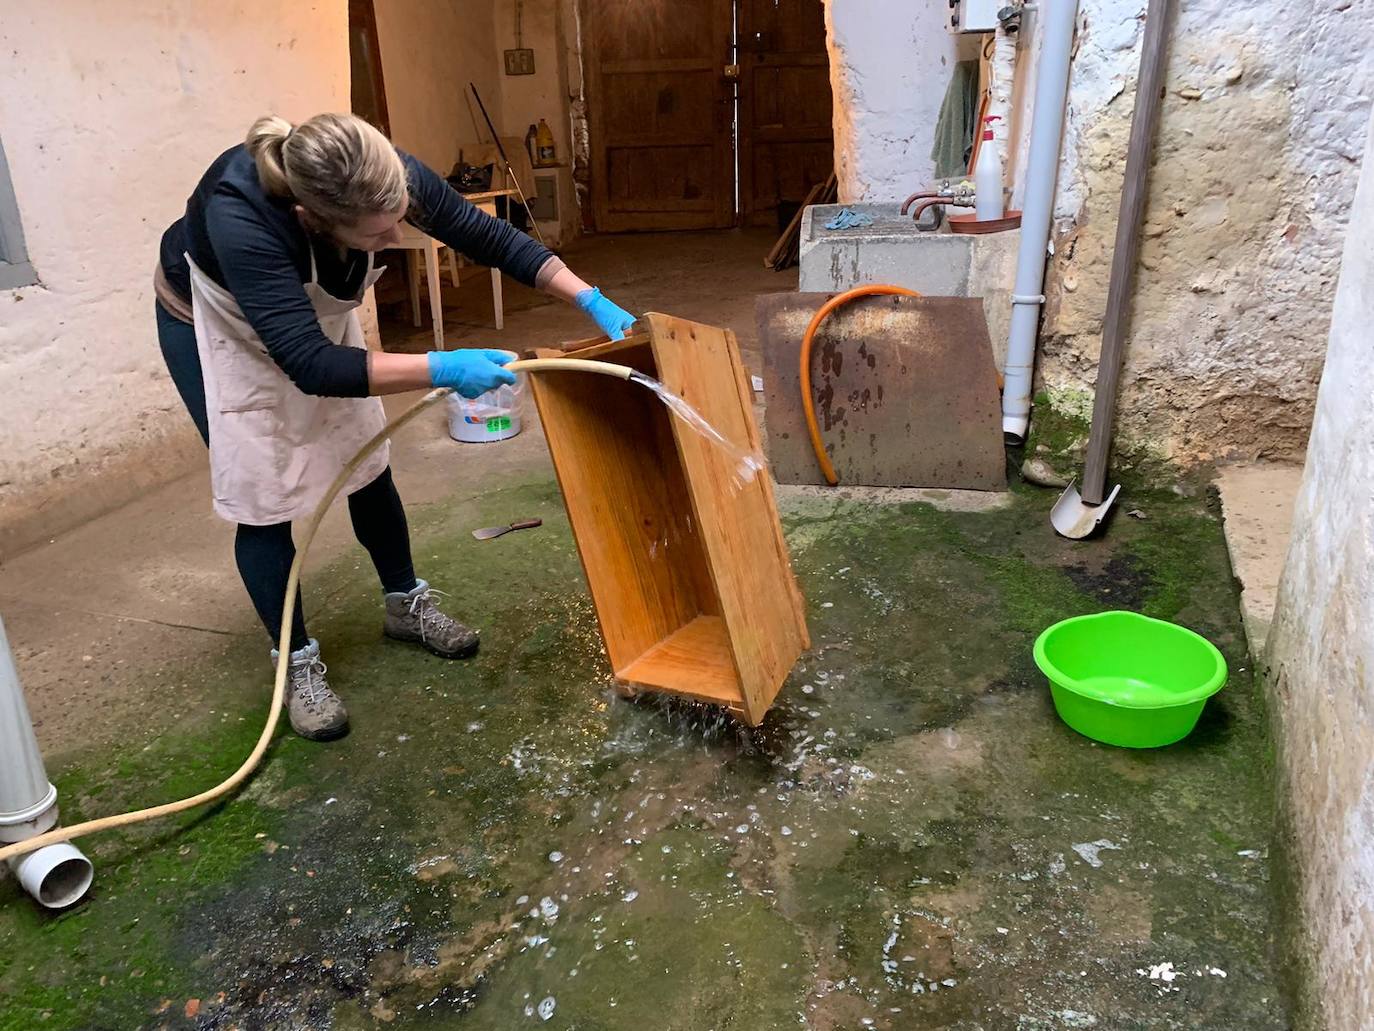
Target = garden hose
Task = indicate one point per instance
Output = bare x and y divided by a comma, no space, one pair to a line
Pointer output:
59,834
808,405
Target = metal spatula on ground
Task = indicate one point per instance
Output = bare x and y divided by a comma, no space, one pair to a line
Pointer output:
496,531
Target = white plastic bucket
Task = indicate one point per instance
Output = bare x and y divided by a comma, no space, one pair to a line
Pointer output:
494,415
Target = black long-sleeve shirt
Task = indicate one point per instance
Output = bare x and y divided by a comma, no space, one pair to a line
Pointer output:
252,244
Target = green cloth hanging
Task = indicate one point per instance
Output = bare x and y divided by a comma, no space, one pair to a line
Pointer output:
955,127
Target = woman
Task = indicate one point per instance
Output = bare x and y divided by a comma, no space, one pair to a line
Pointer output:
257,288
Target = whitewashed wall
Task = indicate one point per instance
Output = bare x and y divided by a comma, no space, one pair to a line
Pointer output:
1255,165
1321,654
527,98
109,112
890,61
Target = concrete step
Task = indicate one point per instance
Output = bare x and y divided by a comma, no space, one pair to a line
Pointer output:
1257,503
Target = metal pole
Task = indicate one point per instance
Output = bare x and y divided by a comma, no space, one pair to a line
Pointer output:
1133,195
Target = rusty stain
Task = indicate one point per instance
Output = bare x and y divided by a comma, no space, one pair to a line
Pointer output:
832,358
920,388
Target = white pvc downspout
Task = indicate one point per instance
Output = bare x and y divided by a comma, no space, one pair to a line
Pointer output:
1037,209
57,875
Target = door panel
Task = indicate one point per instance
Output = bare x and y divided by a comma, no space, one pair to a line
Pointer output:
659,179
660,113
786,138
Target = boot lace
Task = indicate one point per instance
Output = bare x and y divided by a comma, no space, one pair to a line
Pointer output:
308,679
424,610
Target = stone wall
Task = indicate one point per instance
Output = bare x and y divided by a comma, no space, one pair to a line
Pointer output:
1255,164
109,113
1321,657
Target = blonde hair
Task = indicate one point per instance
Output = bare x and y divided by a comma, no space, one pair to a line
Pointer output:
336,166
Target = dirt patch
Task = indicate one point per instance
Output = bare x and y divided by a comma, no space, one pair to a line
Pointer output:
1120,583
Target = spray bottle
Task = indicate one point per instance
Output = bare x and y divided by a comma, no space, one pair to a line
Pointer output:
987,175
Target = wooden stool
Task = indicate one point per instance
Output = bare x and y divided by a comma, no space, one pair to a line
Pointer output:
421,249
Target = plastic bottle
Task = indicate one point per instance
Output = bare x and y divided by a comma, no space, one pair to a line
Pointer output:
544,141
530,145
987,176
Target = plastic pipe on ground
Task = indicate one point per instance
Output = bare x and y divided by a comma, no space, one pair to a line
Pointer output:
1037,208
56,875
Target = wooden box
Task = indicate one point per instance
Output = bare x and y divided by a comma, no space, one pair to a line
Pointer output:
686,563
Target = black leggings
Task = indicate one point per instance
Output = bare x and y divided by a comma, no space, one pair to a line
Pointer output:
264,553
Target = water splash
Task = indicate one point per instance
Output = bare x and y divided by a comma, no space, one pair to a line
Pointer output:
748,464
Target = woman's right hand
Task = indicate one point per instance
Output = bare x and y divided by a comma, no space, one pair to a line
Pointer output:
470,372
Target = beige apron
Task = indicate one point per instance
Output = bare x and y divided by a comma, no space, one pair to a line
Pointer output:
274,450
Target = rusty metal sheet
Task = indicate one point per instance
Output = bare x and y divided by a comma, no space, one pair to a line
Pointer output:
905,392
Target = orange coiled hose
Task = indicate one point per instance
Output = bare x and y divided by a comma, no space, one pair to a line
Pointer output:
808,405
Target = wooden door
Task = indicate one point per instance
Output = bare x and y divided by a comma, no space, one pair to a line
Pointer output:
660,110
786,139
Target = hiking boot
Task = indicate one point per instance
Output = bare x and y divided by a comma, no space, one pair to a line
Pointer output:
316,712
414,616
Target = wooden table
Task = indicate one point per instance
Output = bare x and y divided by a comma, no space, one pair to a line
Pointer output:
422,247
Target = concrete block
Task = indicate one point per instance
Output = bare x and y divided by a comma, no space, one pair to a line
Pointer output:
892,250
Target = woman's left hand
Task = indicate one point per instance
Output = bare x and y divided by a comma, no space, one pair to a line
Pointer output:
470,371
614,320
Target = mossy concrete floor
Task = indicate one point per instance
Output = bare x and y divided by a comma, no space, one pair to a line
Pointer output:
912,840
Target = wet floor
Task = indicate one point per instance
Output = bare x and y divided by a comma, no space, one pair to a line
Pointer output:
911,841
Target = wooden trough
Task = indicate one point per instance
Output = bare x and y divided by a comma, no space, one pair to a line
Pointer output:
687,565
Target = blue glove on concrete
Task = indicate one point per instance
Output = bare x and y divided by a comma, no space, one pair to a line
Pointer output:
614,320
470,372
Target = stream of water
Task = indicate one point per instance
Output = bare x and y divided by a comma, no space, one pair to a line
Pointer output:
747,464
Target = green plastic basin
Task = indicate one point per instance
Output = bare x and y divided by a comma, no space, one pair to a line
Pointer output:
1126,679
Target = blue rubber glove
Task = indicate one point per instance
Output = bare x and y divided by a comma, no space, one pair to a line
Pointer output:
470,372
614,320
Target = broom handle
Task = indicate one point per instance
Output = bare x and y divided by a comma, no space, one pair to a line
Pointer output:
506,160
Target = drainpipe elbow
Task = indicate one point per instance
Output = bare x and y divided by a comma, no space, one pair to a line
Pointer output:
57,876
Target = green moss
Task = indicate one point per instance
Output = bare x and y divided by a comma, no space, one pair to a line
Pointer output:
1061,423
1060,426
114,960
912,780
